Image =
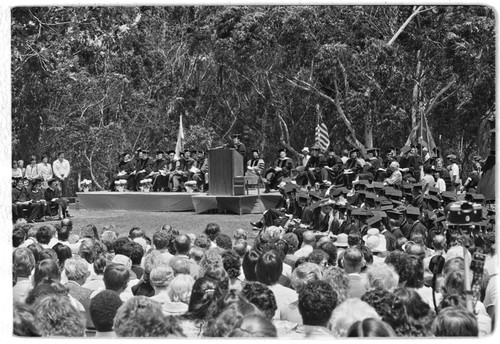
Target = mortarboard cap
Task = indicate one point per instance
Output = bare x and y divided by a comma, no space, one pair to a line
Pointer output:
373,220
410,210
433,190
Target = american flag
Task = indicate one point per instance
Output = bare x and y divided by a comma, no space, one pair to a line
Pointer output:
322,136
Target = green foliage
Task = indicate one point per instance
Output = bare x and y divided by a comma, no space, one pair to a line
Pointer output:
98,81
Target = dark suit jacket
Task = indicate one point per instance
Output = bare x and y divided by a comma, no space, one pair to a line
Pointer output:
82,295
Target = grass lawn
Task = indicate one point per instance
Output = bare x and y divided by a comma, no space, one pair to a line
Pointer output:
185,222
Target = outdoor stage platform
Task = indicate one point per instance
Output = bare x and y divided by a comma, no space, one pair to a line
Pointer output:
252,203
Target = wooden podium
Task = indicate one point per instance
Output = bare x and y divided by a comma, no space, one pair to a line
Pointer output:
225,170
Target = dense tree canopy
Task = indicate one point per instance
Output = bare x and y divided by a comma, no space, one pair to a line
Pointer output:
96,81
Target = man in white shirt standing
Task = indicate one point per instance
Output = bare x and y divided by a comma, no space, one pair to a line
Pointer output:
61,171
454,171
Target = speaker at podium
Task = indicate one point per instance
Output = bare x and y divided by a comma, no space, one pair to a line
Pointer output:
225,168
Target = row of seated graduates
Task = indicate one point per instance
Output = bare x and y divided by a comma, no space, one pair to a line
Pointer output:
368,205
166,171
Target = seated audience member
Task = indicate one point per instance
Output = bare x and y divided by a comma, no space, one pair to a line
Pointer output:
268,270
339,280
380,299
224,241
142,317
211,258
218,274
182,246
402,263
353,262
370,328
56,316
205,292
47,268
317,300
96,280
212,230
115,278
179,293
301,276
484,322
76,271
382,275
160,278
455,322
240,246
135,252
103,308
180,265
410,315
254,326
261,296
232,264
63,253
151,260
23,263
202,241
308,240
347,313
43,236
196,254
161,242
226,321
108,238
248,265
24,321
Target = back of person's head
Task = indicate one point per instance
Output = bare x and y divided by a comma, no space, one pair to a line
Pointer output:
142,317
76,269
382,275
304,274
416,279
455,322
46,286
417,250
400,242
354,238
218,274
232,263
180,288
161,240
182,244
161,276
319,257
90,232
36,249
347,313
211,257
353,260
18,236
339,281
202,241
47,268
254,326
153,258
43,235
56,316
63,233
101,262
308,238
331,250
196,253
261,296
205,292
240,246
240,233
108,238
454,282
249,263
292,241
411,301
63,253
370,328
224,241
402,263
380,299
180,265
317,300
23,261
103,308
66,222
136,232
212,230
88,250
453,264
118,244
116,277
229,317
48,253
24,321
269,268
134,251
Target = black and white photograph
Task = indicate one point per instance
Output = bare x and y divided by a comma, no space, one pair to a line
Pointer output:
297,170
